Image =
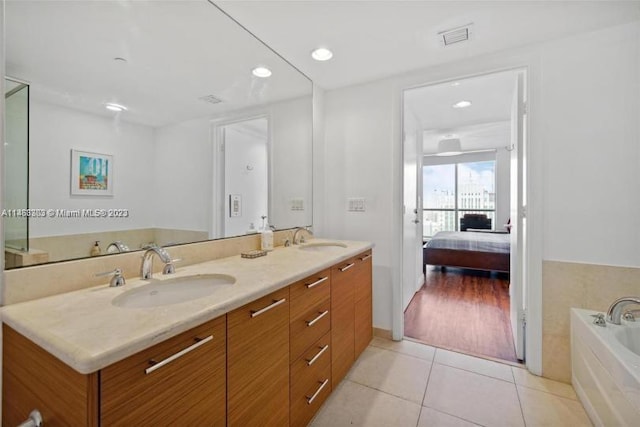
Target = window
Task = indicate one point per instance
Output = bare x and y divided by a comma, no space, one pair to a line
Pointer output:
452,190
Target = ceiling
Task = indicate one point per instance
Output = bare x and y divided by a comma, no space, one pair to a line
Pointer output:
374,39
176,52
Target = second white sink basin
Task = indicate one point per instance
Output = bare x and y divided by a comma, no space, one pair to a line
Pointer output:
173,291
322,246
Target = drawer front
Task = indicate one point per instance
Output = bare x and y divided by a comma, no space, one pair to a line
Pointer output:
310,363
258,367
311,385
307,292
342,319
179,381
309,327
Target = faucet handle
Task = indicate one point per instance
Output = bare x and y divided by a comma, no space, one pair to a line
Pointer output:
117,278
599,320
629,316
170,268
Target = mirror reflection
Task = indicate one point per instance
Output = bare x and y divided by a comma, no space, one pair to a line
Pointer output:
146,122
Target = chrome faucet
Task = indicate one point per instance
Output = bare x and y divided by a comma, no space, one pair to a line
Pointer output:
295,234
146,269
614,313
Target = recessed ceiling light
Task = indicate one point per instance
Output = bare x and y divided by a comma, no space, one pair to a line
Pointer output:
262,72
462,104
455,84
450,136
322,54
115,107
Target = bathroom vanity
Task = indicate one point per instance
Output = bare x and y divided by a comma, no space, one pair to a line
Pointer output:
265,350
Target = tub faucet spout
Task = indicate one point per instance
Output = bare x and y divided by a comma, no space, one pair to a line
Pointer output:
614,313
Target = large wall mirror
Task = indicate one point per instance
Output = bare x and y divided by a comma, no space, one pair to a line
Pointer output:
146,122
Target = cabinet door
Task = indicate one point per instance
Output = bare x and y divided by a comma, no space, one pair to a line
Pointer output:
258,368
180,381
342,319
363,302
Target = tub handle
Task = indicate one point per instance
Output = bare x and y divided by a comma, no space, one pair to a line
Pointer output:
599,320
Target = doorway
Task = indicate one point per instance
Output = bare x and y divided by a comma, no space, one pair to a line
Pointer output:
242,176
470,199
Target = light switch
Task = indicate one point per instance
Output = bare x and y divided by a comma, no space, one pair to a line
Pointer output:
356,204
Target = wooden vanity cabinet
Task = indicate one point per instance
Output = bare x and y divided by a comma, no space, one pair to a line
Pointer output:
181,381
258,362
363,302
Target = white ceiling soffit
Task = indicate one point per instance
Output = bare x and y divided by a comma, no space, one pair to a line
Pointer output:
491,96
476,137
374,39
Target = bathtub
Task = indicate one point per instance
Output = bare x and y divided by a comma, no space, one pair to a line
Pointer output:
605,365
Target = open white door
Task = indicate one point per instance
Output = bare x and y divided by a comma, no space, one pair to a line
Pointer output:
412,278
517,276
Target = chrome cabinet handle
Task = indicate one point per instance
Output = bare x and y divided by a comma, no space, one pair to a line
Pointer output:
347,267
312,322
318,354
179,354
317,282
255,313
312,398
364,258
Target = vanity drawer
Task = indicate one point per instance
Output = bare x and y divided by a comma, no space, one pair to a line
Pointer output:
308,374
179,381
308,327
308,292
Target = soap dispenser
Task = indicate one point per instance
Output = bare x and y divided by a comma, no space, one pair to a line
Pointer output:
95,250
266,236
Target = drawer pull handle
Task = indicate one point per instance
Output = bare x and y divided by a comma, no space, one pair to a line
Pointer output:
312,398
347,267
312,322
366,257
314,358
316,283
255,313
158,365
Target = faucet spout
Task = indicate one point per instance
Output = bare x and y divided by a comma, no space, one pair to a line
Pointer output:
614,313
146,269
295,234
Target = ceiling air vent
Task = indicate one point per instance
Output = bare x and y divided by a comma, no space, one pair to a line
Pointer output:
210,99
455,35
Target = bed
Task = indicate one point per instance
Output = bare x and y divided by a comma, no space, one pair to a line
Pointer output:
488,251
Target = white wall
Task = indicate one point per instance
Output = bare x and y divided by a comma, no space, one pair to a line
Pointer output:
54,131
585,142
183,176
358,138
591,111
242,149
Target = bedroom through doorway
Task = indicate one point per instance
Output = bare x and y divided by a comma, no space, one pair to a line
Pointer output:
463,145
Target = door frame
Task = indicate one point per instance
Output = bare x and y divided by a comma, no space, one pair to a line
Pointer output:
530,64
216,225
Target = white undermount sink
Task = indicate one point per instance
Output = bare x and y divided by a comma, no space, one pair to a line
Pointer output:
629,337
322,246
173,291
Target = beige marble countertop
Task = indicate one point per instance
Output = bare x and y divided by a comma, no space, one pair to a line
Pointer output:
87,332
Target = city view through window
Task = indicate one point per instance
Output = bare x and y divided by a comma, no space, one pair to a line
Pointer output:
451,190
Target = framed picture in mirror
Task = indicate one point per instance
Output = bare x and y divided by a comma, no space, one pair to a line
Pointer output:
91,174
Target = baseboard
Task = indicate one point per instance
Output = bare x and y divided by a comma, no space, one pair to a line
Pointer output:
382,333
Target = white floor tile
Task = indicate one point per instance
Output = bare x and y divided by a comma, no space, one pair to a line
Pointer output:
353,404
545,409
474,364
394,373
526,379
431,418
407,347
474,397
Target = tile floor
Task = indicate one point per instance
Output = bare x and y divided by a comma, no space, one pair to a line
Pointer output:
409,384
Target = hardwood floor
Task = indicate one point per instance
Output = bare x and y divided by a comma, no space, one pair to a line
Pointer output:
463,310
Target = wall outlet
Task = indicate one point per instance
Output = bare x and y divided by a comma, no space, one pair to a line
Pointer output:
297,204
356,204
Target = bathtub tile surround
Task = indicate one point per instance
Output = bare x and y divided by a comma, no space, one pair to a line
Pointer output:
25,284
459,390
566,285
